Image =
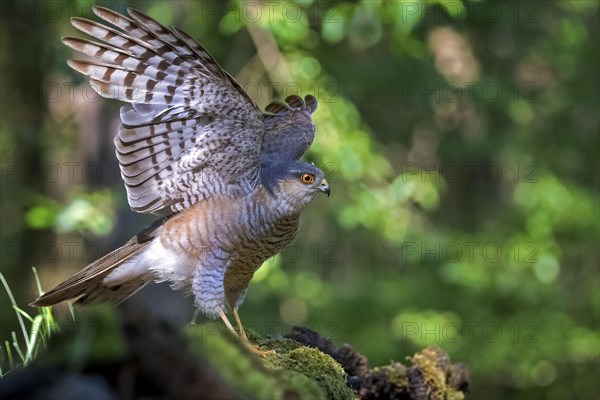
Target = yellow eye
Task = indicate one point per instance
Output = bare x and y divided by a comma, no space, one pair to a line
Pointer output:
307,178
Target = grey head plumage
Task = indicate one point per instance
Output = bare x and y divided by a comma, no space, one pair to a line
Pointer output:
273,173
295,183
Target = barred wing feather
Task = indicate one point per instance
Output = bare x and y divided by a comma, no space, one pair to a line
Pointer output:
191,132
289,129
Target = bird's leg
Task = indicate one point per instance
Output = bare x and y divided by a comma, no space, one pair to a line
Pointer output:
228,324
252,347
238,321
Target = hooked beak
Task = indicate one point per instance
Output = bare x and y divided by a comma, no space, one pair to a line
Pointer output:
324,188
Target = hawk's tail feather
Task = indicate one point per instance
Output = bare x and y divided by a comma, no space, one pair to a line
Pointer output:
88,282
90,285
112,294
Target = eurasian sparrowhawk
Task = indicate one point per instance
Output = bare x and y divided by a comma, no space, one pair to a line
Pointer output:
196,150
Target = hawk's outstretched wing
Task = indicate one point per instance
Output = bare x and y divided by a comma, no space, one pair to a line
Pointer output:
289,129
191,131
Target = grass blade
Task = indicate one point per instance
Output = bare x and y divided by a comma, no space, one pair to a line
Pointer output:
41,329
11,361
14,303
37,281
24,313
16,346
35,329
72,311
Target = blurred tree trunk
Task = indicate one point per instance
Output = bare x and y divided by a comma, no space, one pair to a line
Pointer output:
24,112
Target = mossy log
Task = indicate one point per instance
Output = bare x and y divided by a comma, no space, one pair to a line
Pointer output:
132,354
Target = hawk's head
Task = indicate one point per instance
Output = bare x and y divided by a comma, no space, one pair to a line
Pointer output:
295,183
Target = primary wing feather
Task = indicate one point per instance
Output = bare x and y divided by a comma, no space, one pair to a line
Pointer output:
289,129
191,132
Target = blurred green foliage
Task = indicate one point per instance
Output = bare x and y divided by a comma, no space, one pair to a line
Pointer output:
460,139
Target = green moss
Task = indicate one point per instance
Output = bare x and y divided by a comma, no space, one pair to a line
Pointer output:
282,345
454,394
434,376
292,371
303,365
245,372
300,384
397,374
318,367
